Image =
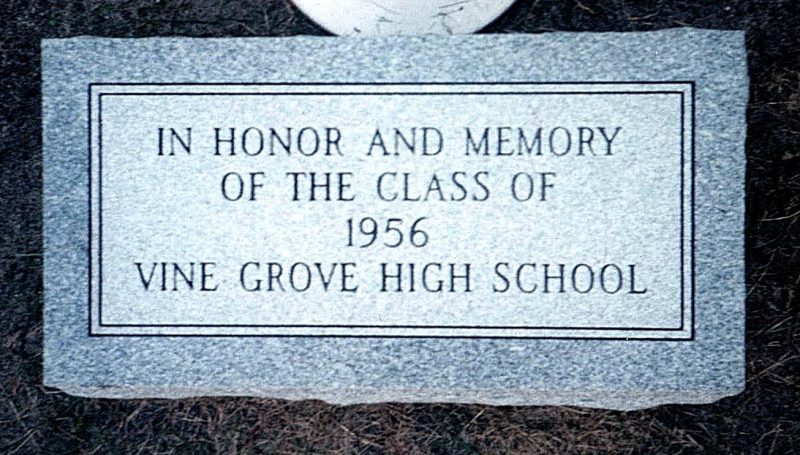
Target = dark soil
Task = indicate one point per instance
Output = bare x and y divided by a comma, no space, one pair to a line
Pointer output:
765,418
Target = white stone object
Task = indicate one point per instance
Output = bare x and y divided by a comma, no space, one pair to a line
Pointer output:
403,17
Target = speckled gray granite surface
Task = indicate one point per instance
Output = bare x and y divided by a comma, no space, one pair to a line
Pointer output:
676,182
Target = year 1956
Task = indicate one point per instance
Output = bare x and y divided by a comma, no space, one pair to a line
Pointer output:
391,232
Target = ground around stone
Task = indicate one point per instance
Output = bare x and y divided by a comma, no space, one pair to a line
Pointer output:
763,419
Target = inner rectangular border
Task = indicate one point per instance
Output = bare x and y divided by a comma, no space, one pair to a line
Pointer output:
685,90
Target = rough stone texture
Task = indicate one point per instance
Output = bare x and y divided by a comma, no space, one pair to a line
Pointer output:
614,374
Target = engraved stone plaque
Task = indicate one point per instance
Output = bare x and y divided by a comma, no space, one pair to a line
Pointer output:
370,211
465,219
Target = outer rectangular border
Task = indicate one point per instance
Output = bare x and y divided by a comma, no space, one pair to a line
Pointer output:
690,87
